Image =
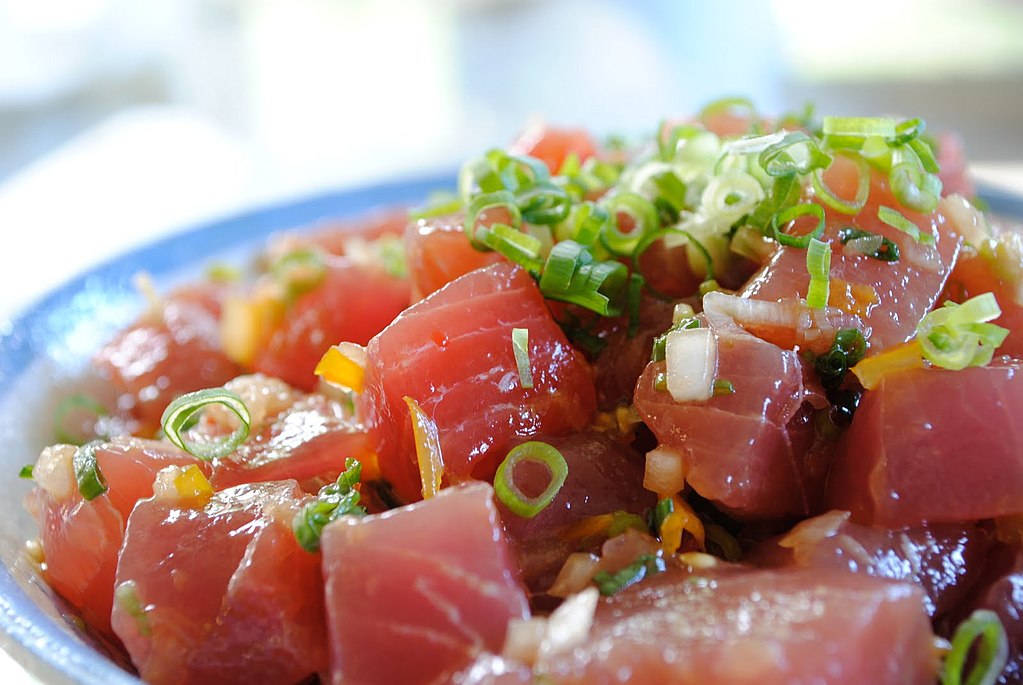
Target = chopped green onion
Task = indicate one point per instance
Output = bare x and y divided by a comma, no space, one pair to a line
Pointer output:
926,154
299,270
956,336
657,353
622,521
818,264
989,657
184,408
544,204
870,244
662,510
644,218
845,352
520,345
729,105
512,496
915,188
792,213
91,483
728,546
895,219
907,130
723,387
572,275
500,199
333,501
440,204
79,402
851,132
647,242
521,248
612,583
828,196
585,223
126,597
26,472
671,190
796,153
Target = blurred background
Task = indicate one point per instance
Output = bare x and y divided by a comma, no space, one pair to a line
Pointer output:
121,120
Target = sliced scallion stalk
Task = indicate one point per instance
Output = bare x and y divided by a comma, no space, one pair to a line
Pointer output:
520,346
796,153
897,220
509,492
643,215
956,336
828,196
818,265
91,483
990,655
340,498
792,213
179,413
612,583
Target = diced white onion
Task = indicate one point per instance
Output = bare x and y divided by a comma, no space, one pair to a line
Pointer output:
967,220
575,574
54,472
665,473
682,311
523,639
691,357
569,625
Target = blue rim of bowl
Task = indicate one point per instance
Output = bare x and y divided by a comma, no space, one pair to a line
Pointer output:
30,635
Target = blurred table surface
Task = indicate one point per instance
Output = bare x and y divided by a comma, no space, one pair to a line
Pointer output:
140,176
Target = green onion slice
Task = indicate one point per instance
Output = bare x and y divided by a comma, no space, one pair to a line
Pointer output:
847,350
299,270
500,199
792,213
723,387
956,336
612,583
851,132
520,346
828,196
647,242
897,220
340,498
643,215
796,153
544,204
818,265
870,244
925,152
585,223
521,248
73,404
907,130
91,483
26,472
126,597
914,188
572,275
990,655
179,412
513,497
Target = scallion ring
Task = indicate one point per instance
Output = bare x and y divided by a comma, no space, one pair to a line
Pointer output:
990,656
792,213
512,496
643,215
647,242
544,204
828,196
181,410
521,248
914,188
796,153
585,223
91,483
501,199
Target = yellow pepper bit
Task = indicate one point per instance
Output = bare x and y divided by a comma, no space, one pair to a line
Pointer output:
191,484
335,367
683,518
872,370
